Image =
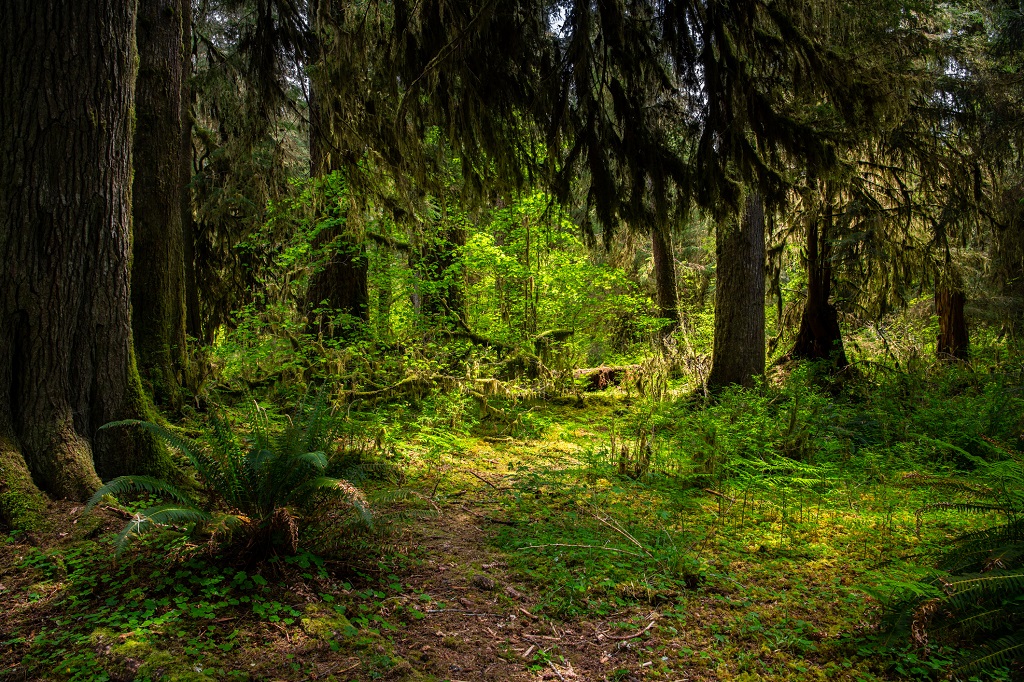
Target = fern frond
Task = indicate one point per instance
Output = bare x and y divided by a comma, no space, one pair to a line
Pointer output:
1000,653
316,460
974,549
129,484
964,507
175,514
161,515
946,483
966,592
175,441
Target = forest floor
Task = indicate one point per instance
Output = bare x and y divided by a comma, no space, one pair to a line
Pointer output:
532,559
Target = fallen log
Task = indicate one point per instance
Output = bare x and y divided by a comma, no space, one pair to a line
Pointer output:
600,378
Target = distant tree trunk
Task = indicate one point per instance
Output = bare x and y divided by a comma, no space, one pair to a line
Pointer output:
66,358
158,246
1007,258
820,337
340,287
738,354
665,276
443,289
953,341
193,315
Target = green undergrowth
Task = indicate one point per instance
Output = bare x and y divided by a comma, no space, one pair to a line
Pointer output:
170,611
760,534
771,526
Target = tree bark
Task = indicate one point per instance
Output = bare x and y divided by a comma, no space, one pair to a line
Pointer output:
340,287
953,341
443,289
738,355
665,276
193,315
158,195
66,359
820,337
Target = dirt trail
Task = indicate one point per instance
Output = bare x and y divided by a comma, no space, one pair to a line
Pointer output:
487,629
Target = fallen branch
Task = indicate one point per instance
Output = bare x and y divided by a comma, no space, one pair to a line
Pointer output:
722,495
560,544
473,473
632,636
407,384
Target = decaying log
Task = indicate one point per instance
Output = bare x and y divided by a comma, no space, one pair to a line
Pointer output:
600,378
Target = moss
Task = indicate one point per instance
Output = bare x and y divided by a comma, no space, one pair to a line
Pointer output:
134,657
325,624
22,505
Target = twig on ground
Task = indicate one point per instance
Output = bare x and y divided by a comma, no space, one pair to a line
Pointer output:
562,544
473,473
722,495
632,636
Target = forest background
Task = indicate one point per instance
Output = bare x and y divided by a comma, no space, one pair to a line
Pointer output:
277,276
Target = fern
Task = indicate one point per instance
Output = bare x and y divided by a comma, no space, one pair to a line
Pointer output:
1002,652
980,600
130,484
259,485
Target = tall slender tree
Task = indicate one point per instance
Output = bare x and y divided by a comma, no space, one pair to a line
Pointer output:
664,262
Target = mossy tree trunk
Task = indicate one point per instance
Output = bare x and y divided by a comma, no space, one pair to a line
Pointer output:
665,276
158,246
820,337
339,288
67,364
443,288
953,341
738,355
193,315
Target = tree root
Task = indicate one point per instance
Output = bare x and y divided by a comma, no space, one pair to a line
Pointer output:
22,505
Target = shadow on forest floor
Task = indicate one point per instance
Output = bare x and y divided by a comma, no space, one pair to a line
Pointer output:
542,561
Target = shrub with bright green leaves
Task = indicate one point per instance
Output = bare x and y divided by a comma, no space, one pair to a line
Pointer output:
258,488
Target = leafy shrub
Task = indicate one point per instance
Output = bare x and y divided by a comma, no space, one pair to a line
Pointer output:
257,488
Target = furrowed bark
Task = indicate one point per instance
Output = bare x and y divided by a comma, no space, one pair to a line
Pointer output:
738,354
66,360
158,248
953,341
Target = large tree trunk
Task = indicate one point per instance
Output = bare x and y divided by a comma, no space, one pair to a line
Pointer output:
820,337
66,359
158,249
953,339
738,354
339,289
665,276
193,315
338,297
